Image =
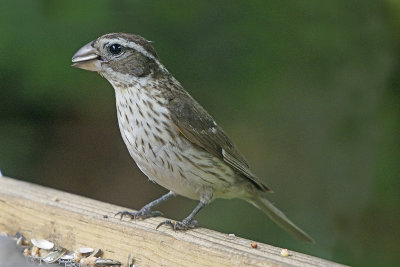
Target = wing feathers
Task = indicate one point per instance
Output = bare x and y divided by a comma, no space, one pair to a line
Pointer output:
198,127
232,161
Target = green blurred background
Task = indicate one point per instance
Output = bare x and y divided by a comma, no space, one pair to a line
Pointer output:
308,90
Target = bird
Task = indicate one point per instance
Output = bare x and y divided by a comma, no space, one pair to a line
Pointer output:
173,140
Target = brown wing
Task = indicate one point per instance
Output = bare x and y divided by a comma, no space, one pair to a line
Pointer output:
198,127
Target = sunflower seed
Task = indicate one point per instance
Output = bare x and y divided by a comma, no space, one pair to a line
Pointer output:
42,244
54,255
86,251
106,262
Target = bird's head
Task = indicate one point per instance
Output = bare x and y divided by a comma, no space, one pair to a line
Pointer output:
119,56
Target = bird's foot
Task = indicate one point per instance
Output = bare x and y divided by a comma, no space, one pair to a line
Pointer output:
183,226
141,214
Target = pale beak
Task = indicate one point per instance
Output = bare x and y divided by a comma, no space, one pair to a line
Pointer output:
87,58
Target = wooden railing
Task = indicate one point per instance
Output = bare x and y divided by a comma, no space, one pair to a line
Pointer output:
74,221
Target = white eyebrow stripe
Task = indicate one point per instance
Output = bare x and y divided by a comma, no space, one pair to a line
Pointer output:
138,48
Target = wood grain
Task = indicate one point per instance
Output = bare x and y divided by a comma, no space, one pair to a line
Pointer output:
73,221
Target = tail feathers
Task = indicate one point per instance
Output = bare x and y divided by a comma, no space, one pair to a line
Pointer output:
279,218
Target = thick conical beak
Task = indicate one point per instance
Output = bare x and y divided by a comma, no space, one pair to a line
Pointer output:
87,58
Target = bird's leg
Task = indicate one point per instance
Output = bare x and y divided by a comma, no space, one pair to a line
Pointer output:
188,222
146,211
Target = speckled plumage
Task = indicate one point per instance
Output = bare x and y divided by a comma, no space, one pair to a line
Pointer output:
158,148
172,139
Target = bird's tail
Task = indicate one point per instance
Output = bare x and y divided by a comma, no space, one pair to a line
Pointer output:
279,218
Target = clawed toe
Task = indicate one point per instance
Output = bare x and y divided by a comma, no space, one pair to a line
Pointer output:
141,214
125,213
183,226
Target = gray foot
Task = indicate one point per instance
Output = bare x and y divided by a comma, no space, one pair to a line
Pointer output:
183,226
141,214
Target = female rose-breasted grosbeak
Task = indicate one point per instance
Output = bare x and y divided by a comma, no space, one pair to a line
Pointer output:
173,140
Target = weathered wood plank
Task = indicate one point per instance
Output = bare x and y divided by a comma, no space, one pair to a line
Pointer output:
73,221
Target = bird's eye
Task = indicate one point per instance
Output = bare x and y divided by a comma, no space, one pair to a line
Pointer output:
115,49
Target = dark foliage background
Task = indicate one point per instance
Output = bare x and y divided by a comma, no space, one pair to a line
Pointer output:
308,90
